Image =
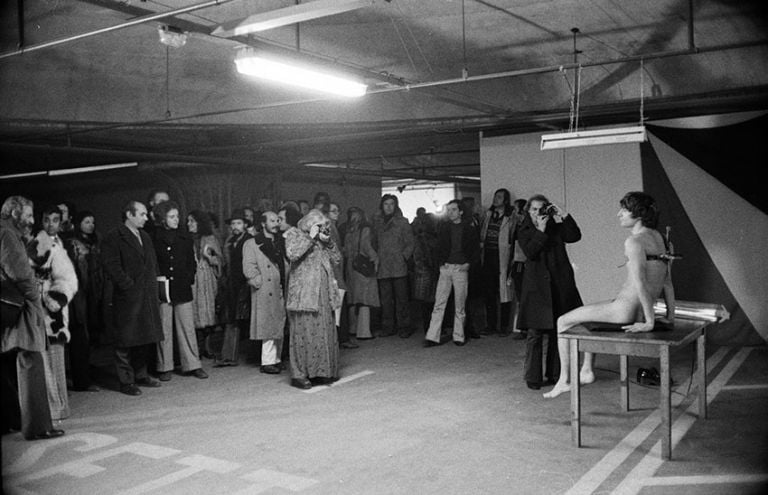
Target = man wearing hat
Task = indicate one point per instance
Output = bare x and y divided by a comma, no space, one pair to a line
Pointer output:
237,292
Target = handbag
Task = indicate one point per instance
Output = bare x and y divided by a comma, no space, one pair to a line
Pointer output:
362,263
12,302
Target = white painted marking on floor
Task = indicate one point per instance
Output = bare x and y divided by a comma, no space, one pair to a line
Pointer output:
36,450
84,467
613,459
196,463
705,479
645,469
746,387
320,388
266,479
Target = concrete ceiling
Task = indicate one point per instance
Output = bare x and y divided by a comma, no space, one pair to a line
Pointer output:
438,71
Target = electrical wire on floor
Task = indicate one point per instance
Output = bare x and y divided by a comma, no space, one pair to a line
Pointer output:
656,387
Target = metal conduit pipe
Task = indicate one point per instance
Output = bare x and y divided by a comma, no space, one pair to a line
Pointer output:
134,22
556,68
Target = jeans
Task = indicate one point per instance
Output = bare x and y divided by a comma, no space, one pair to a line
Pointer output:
456,278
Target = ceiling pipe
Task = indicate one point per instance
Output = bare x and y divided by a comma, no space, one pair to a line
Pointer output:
557,68
149,156
127,24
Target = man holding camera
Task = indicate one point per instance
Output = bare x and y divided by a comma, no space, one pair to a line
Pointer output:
549,288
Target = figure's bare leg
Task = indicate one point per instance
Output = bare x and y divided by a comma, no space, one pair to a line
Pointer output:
609,312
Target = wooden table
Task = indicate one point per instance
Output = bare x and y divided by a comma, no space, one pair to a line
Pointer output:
656,344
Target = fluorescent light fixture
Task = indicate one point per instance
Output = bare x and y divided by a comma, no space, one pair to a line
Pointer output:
22,175
288,15
258,66
692,310
172,36
95,168
617,135
324,165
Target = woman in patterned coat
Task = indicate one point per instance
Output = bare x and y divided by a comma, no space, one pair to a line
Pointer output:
313,295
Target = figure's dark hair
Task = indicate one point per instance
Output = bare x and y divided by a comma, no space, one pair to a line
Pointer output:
643,206
50,210
387,197
160,210
292,215
204,222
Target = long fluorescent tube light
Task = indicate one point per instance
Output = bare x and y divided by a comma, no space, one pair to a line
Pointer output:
69,171
258,66
95,168
288,15
618,135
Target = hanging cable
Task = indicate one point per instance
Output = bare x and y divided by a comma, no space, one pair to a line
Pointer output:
167,83
642,93
464,70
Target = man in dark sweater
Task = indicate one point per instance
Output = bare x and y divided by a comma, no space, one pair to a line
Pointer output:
457,250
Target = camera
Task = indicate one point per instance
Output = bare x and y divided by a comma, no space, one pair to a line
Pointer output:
547,210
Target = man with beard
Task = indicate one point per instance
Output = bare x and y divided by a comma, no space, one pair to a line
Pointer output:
24,341
264,268
238,296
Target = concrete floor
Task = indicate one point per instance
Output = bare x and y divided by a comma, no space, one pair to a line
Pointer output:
404,420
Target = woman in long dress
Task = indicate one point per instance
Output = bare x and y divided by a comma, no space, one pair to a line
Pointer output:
313,295
363,291
208,260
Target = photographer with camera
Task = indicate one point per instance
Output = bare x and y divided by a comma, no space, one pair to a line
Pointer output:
549,288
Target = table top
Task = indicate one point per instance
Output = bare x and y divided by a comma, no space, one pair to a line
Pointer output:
684,331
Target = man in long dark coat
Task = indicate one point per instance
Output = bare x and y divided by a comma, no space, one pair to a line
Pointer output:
129,259
549,286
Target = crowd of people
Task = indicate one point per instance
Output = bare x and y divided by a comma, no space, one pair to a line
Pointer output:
167,292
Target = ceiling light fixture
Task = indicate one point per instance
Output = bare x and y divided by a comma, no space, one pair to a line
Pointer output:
69,171
288,15
257,65
635,134
172,36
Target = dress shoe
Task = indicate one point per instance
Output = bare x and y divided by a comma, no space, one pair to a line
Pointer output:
130,389
488,331
323,380
148,382
460,342
471,334
431,343
533,385
301,383
164,376
348,345
46,435
405,334
224,363
270,369
519,336
199,373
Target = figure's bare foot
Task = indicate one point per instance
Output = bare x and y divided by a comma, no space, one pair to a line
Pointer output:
558,389
586,377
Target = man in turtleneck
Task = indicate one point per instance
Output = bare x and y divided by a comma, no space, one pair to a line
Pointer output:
264,268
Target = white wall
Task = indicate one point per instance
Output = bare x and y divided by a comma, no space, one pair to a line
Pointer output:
588,182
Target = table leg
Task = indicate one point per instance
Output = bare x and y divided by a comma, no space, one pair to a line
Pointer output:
701,374
665,405
575,392
624,382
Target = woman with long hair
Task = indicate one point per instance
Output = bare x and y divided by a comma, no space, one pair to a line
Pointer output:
207,273
363,289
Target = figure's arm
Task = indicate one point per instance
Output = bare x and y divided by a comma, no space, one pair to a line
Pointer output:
408,243
669,296
636,274
251,268
113,265
366,245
